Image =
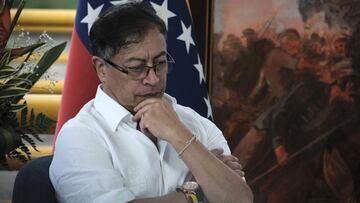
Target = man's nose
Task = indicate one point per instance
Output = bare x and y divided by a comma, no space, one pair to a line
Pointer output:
151,77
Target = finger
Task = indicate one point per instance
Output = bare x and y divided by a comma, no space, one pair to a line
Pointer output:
145,127
142,126
233,165
240,172
141,113
146,102
226,158
217,151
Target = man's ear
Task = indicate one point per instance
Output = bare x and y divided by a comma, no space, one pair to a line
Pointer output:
99,65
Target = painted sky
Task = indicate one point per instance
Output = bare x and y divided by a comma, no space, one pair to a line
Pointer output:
233,16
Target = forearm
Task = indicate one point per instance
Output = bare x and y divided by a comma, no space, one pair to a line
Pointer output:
218,181
173,197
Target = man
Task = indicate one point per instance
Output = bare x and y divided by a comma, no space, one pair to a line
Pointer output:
278,73
339,62
282,59
250,38
132,142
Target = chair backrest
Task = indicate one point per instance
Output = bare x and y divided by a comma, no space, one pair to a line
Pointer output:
32,183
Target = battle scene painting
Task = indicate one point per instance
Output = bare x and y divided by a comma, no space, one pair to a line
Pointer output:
285,90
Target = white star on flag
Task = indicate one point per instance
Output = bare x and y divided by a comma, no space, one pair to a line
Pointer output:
199,68
92,14
163,12
186,36
209,112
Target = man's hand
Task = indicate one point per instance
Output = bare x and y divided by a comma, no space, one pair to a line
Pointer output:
230,160
156,116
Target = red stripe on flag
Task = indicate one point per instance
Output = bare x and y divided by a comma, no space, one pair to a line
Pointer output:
81,82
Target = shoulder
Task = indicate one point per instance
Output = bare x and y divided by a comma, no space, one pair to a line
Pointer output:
205,130
83,128
82,118
189,115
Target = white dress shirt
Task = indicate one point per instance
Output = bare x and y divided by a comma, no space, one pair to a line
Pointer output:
100,157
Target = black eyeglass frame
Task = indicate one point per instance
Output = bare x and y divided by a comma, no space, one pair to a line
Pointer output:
169,60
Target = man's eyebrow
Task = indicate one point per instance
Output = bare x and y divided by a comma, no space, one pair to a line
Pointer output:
134,58
160,54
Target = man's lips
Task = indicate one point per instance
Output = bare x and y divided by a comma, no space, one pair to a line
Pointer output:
151,94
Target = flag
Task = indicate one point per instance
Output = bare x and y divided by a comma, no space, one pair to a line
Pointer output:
185,82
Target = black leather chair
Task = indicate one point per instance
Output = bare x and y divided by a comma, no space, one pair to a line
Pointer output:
32,183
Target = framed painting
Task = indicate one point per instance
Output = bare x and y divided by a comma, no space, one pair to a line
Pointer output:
201,13
284,85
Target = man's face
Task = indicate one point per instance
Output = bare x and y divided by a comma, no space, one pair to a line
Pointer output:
292,46
340,47
231,50
127,91
315,47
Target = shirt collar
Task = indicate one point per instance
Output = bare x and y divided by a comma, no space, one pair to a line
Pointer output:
171,100
112,111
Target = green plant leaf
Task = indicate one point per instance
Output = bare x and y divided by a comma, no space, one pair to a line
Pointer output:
29,140
32,117
17,107
18,156
44,64
5,57
23,116
46,61
6,71
16,82
31,130
17,52
13,92
26,150
9,139
43,122
24,76
17,15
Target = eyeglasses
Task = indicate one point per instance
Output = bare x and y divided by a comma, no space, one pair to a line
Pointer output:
140,72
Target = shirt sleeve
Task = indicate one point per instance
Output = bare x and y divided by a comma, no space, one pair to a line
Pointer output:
82,169
214,136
